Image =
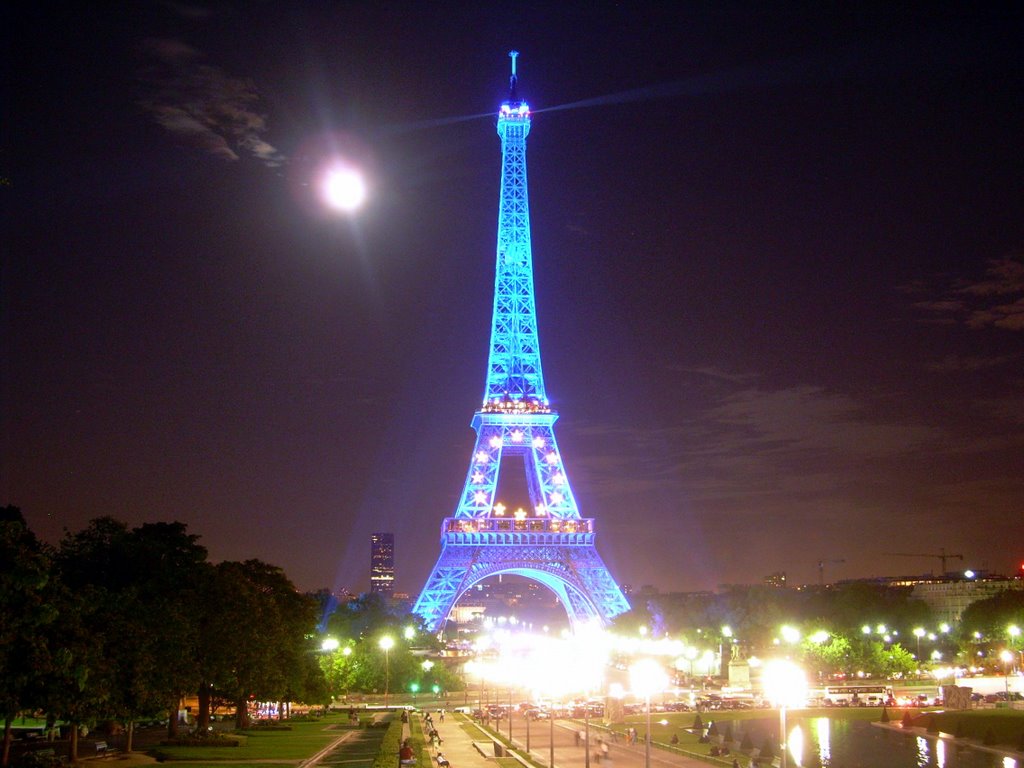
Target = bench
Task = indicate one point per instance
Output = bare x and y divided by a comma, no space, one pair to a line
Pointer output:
103,750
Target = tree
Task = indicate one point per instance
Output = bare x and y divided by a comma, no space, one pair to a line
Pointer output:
253,635
141,589
167,567
829,657
29,598
991,617
896,661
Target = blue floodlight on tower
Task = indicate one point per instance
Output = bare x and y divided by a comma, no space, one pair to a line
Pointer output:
550,543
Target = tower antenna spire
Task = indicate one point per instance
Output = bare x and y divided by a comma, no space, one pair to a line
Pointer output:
512,80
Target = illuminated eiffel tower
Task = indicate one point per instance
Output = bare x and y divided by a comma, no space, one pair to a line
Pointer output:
549,543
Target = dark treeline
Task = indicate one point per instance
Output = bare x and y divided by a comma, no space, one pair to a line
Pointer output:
118,624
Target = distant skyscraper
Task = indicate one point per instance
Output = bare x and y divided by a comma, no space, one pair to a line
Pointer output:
382,564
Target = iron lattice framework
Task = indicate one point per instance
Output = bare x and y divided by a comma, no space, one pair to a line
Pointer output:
551,543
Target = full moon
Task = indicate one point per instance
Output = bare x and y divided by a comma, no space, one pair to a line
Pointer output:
344,189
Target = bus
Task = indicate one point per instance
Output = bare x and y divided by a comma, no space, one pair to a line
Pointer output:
856,695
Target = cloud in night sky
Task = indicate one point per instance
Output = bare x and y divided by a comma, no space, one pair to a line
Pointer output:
757,442
204,106
970,363
994,300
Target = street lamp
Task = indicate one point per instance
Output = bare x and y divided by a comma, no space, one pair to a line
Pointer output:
785,686
386,644
725,638
1006,657
588,686
918,633
586,729
551,733
691,653
527,713
790,634
647,677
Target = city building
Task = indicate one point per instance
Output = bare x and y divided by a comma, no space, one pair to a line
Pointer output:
382,564
948,598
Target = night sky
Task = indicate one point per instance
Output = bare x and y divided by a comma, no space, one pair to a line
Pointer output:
777,251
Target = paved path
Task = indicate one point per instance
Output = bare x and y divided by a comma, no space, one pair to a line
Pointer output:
459,748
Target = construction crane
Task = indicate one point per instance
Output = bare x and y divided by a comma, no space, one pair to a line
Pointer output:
821,569
941,556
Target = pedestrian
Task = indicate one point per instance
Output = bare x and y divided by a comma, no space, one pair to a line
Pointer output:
604,751
442,715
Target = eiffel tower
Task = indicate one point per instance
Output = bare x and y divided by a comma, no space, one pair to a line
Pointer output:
549,543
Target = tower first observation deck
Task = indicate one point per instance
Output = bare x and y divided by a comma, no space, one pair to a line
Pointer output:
549,542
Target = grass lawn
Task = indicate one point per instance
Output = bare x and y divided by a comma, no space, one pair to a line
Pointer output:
305,739
469,726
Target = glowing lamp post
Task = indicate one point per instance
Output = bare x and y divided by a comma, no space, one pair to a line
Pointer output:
386,644
329,644
785,686
1006,657
551,736
647,678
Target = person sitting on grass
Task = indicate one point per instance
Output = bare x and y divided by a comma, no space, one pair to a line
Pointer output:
405,755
